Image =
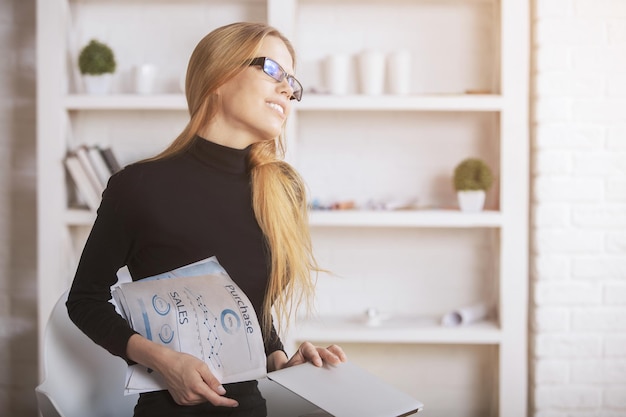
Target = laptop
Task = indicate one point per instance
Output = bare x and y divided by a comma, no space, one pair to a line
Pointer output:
345,390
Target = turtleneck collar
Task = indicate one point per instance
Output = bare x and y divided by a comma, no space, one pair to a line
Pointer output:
220,157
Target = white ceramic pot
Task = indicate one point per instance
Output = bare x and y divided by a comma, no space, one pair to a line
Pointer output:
337,73
98,84
371,70
471,201
399,72
144,78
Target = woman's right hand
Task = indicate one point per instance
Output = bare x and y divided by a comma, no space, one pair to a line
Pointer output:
189,380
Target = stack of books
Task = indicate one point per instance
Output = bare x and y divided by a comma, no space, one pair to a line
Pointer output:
89,167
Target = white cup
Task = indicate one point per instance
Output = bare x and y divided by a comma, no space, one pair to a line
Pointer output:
144,78
337,73
399,72
371,72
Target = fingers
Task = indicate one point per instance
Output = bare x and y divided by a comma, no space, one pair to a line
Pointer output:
213,390
338,354
201,394
332,355
307,352
191,382
310,354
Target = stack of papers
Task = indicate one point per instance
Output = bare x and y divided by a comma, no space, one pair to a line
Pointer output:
203,313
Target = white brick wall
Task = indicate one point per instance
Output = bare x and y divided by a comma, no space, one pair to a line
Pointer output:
18,337
578,319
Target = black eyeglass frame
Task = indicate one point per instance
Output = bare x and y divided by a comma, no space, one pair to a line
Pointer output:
274,70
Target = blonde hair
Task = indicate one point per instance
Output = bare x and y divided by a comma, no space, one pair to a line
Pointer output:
278,192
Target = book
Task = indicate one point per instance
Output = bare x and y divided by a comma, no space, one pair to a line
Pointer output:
82,154
82,182
99,164
110,159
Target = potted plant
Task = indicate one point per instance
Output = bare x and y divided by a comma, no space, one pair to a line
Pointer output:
472,178
96,63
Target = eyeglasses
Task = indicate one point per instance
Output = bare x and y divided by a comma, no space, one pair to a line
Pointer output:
271,68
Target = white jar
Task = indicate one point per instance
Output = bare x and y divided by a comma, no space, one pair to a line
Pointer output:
371,69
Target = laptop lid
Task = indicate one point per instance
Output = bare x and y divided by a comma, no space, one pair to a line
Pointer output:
346,390
281,402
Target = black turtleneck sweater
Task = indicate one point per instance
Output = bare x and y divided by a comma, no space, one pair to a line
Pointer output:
160,215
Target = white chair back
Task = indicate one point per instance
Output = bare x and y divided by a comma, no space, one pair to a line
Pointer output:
81,378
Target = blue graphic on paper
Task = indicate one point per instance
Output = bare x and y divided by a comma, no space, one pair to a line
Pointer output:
166,334
161,306
146,320
209,321
230,320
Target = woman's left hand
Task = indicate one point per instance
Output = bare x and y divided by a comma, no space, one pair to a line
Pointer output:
318,356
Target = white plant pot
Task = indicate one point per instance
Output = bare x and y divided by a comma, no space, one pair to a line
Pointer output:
471,201
98,84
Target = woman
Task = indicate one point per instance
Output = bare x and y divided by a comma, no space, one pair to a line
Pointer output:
219,189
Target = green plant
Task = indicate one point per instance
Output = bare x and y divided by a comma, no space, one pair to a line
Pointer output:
96,58
472,174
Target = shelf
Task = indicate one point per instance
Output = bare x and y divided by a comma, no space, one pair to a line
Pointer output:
417,330
355,218
405,218
126,102
399,2
310,102
169,1
444,102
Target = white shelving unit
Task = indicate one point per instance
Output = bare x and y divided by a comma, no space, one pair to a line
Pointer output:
413,264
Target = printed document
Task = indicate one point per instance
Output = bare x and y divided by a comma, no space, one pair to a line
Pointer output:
197,309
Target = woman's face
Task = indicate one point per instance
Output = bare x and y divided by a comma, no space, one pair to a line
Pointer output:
254,106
